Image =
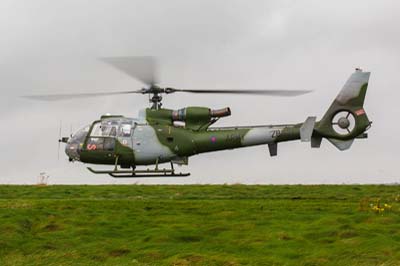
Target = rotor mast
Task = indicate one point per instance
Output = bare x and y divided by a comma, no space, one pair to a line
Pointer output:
156,101
156,98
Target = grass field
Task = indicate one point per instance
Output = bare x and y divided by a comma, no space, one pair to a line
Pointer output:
199,225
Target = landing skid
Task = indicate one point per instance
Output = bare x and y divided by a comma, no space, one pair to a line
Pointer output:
116,173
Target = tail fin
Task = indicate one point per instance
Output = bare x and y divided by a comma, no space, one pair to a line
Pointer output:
345,119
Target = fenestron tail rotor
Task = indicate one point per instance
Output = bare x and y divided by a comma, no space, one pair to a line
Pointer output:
145,70
343,123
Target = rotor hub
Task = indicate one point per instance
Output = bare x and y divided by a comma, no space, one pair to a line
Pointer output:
156,98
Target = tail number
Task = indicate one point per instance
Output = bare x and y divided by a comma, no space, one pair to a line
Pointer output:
235,137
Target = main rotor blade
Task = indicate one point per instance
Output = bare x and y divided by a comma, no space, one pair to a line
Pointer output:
287,93
142,68
60,97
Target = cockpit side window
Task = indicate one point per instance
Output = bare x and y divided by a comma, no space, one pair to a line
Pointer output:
109,128
113,132
105,129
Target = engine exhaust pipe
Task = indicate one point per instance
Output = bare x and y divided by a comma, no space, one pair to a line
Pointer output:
220,112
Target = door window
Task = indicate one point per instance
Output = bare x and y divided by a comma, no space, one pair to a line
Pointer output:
126,130
100,144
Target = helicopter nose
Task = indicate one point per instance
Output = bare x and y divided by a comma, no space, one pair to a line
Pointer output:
72,151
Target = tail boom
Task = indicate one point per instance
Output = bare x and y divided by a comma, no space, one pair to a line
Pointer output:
344,121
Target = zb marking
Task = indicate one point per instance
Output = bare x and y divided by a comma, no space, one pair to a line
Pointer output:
276,133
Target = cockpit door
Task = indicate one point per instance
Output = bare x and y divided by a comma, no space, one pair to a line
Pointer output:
102,136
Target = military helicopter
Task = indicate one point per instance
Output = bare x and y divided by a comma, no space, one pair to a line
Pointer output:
161,135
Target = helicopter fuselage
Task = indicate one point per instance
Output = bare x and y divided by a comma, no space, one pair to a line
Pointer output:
164,135
158,140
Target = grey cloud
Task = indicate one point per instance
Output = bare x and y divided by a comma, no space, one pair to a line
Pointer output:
52,46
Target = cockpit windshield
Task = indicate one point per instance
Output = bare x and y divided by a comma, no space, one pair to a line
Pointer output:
102,136
80,135
75,143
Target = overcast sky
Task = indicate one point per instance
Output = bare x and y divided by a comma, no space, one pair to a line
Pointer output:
52,47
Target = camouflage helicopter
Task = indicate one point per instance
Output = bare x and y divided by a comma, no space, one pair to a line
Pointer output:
161,135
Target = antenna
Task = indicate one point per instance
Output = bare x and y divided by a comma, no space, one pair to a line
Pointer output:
59,140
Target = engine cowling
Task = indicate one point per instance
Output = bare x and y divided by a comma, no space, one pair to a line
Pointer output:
199,117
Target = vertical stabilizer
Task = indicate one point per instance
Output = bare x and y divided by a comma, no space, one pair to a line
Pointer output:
346,118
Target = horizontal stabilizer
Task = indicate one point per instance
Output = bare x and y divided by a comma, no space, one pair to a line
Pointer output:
306,130
341,144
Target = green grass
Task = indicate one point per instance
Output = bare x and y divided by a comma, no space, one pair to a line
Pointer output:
199,225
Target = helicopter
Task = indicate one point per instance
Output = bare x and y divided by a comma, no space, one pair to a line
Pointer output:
160,135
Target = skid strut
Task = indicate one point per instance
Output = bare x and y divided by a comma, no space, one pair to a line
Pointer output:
116,173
